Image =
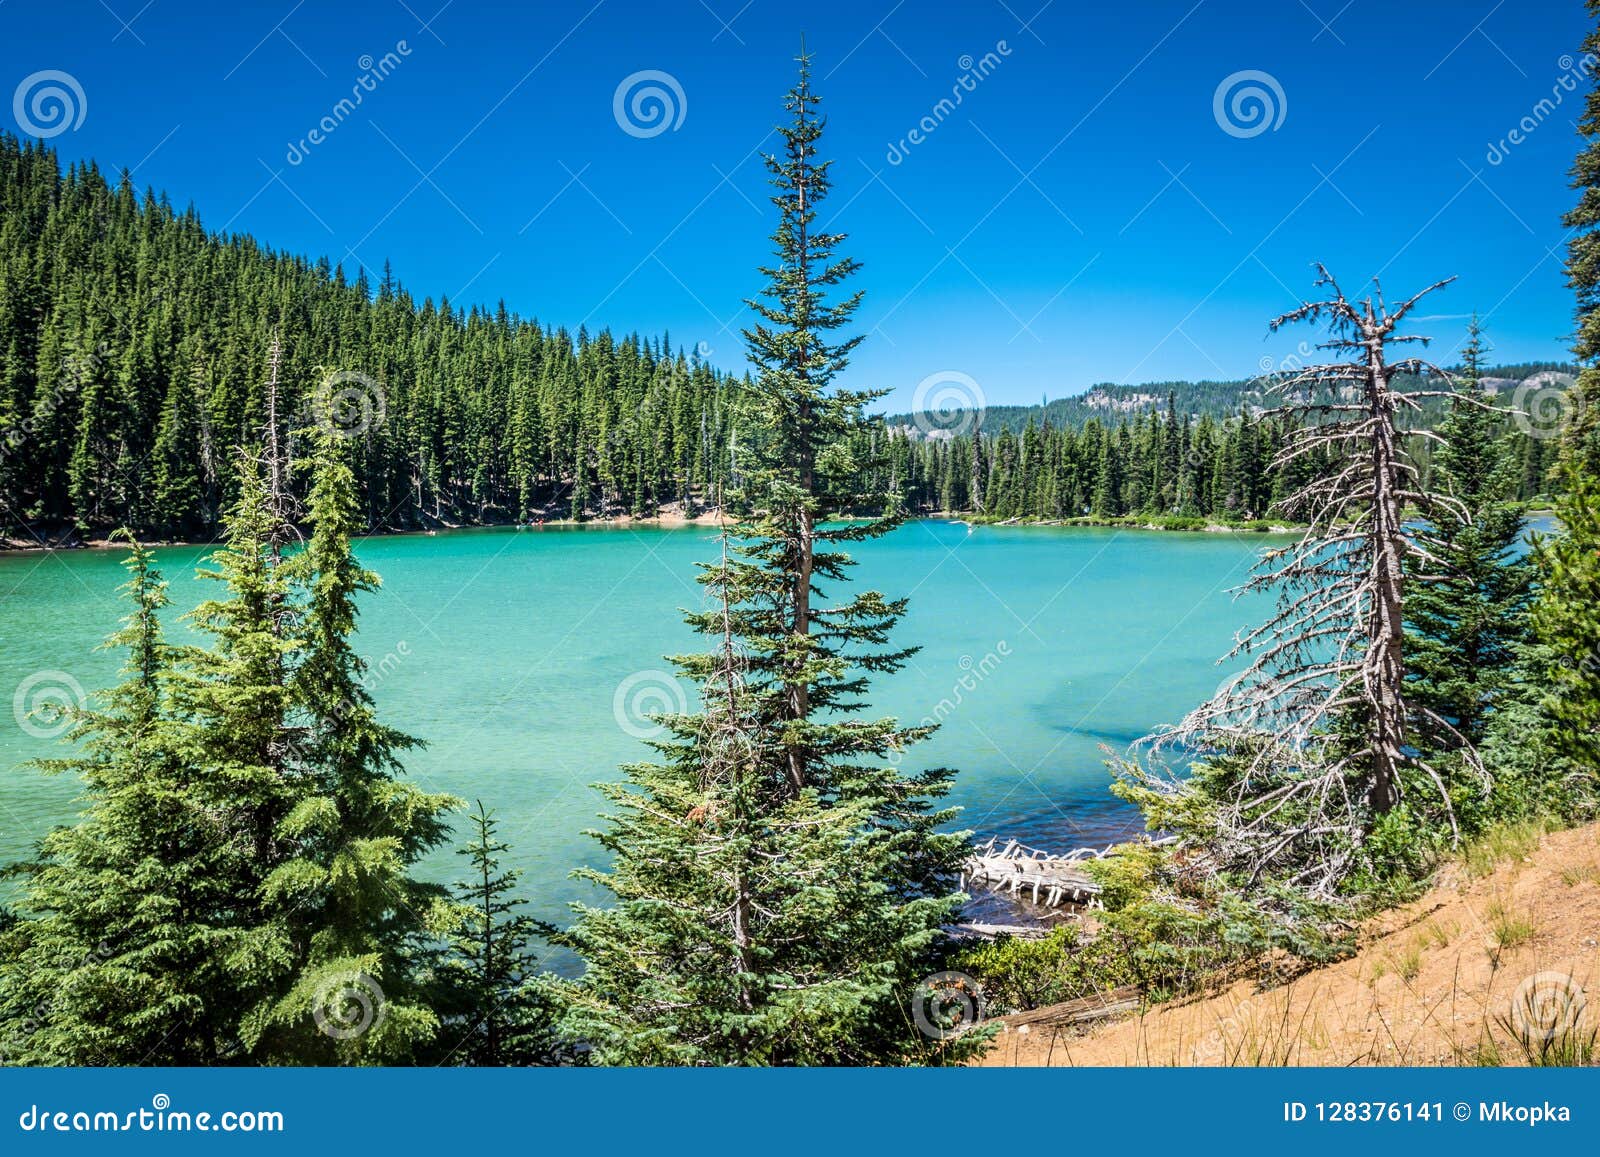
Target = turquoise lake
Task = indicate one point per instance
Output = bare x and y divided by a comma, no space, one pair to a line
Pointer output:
524,659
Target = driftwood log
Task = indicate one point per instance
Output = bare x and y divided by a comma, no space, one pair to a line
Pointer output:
1021,871
1077,1014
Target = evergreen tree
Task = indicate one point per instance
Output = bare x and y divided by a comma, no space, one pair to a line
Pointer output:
239,743
1568,613
179,508
491,972
342,899
125,959
1467,611
780,885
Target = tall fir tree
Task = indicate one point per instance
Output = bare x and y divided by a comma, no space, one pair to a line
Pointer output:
343,901
1568,613
780,885
235,695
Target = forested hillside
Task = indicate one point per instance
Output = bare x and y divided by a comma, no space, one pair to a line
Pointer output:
133,366
1110,401
133,347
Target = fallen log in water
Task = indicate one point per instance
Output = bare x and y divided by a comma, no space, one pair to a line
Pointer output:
977,931
1047,879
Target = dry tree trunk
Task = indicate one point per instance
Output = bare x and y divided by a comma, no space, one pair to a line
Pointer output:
1383,670
1333,652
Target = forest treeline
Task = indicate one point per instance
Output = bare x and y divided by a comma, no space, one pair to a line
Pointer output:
132,360
1107,402
133,355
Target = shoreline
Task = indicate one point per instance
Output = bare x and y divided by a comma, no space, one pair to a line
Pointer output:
677,521
1173,524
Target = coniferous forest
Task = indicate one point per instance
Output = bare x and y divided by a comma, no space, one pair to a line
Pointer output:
133,352
779,878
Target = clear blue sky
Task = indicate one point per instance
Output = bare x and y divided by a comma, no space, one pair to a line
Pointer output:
1082,215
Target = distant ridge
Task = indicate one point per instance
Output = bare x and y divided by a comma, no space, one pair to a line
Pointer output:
1110,402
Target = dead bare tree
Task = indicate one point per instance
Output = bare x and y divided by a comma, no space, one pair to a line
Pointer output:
277,462
1317,722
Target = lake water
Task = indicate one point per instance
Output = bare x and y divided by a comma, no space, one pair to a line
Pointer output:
505,650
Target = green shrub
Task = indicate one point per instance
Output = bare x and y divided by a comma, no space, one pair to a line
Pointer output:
1019,974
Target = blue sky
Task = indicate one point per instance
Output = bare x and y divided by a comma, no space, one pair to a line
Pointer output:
1087,212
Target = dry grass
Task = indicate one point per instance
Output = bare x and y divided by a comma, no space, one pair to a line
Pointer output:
1437,981
1510,925
1501,844
1408,961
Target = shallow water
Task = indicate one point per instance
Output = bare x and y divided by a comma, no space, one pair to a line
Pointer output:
514,653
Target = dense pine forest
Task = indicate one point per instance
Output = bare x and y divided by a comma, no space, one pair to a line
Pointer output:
133,361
